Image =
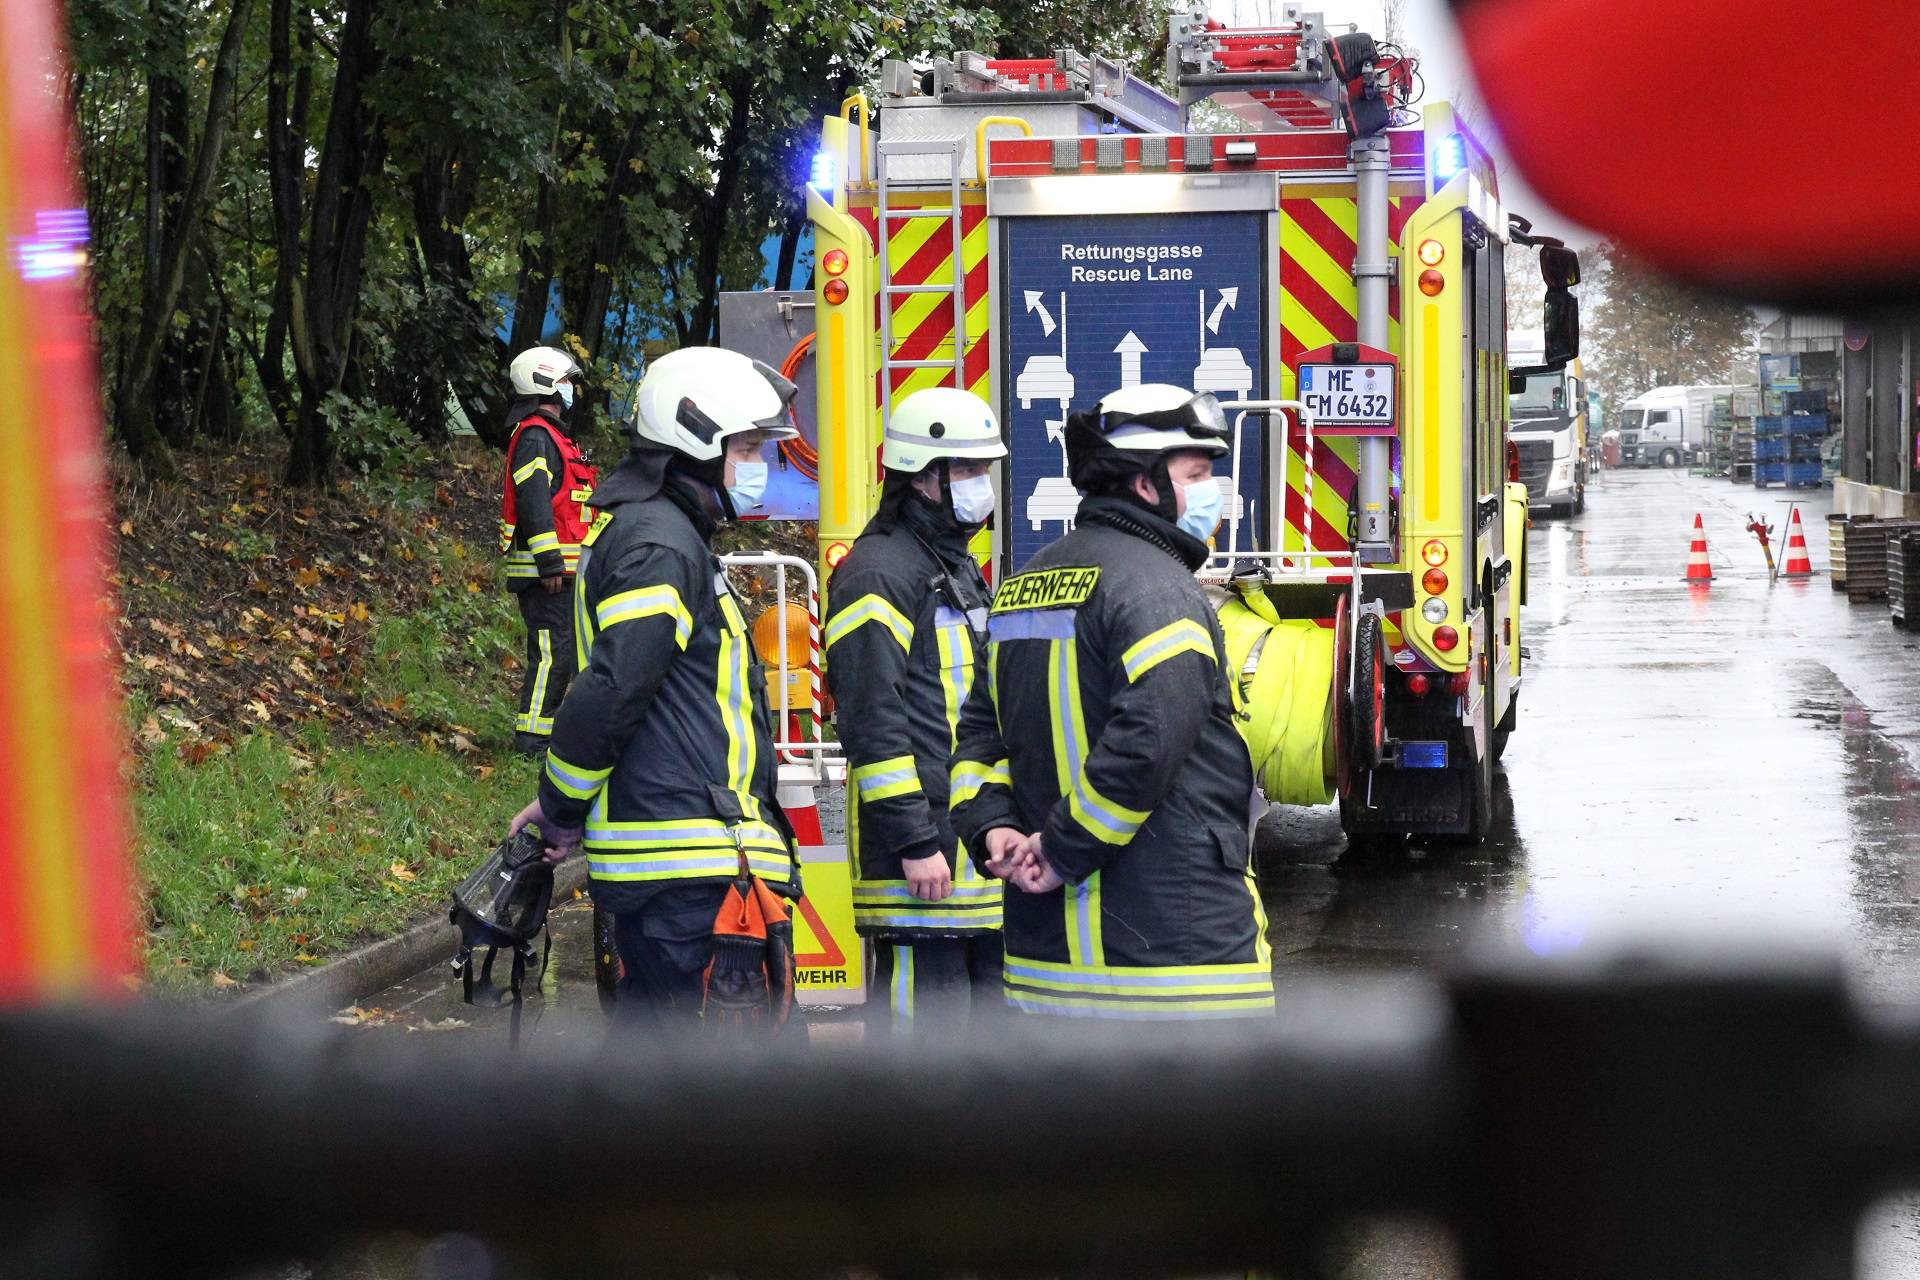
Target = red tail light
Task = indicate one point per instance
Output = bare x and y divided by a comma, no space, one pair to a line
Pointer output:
1445,638
1457,684
1417,685
1513,462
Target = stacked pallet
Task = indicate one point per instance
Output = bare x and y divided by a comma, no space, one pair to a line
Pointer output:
1867,556
1903,579
1837,547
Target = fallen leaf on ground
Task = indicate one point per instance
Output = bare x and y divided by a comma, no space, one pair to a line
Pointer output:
400,871
223,981
151,733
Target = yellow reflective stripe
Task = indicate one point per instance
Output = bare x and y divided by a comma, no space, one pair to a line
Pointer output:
1099,817
902,988
506,536
968,777
530,719
1120,991
870,608
956,674
1184,636
1069,726
1086,945
886,779
538,464
660,601
539,542
604,863
572,780
521,564
1140,1009
734,695
582,624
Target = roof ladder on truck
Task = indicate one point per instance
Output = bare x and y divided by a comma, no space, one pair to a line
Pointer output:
955,286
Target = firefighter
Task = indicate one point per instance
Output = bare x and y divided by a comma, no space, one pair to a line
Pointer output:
662,761
1098,768
543,519
905,611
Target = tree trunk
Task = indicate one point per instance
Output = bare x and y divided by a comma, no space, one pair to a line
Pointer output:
442,197
134,408
704,327
286,165
350,158
535,282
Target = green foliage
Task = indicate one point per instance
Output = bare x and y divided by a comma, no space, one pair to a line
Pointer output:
628,160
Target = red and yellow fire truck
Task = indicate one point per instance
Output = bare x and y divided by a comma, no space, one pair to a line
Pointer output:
1044,231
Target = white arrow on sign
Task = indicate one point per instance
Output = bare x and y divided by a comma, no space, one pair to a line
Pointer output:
1130,351
1046,317
1229,300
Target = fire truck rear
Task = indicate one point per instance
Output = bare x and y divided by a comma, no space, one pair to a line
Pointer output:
1044,231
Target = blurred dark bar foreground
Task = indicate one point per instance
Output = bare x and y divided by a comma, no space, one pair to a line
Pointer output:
1618,1117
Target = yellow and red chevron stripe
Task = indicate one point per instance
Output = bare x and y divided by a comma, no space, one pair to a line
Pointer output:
65,888
920,252
1320,305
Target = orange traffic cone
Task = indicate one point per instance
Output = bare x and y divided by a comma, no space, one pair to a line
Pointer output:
1798,565
1698,569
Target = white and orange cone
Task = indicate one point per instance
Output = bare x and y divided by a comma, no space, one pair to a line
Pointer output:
1699,570
1798,564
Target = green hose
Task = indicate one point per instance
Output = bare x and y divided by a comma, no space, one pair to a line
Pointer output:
1285,669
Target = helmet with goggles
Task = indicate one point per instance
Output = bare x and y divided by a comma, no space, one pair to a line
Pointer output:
1132,429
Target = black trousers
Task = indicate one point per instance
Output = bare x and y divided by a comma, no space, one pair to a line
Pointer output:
550,664
929,986
664,949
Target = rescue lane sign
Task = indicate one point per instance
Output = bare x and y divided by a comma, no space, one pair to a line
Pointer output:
1094,302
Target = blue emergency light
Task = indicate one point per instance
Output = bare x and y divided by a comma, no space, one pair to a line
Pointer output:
1449,158
1423,755
820,177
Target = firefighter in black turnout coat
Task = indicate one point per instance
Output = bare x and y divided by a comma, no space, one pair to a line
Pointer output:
1098,767
905,610
662,761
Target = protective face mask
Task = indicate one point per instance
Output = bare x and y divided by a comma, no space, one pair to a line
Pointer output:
1204,501
972,499
566,394
748,487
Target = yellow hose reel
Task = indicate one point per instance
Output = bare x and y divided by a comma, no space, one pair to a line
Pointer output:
1284,670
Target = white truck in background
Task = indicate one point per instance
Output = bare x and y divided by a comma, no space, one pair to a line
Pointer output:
1548,411
1667,426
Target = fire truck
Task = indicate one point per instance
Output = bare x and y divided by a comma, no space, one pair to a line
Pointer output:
1329,262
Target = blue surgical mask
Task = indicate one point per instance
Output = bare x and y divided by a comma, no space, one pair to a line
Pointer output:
748,487
566,394
1204,501
972,499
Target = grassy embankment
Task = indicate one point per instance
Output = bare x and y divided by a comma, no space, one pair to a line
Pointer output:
320,710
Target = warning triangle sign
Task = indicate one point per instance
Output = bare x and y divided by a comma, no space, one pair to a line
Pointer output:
827,951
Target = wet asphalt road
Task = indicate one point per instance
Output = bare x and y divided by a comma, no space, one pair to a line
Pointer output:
1716,761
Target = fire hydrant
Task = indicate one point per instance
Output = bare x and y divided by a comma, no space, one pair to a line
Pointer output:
1763,534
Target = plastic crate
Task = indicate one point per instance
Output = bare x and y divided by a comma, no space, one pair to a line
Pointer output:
1806,401
1803,475
1766,473
1767,425
1767,449
1806,424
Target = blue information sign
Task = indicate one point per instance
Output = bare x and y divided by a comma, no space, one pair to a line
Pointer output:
1093,303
